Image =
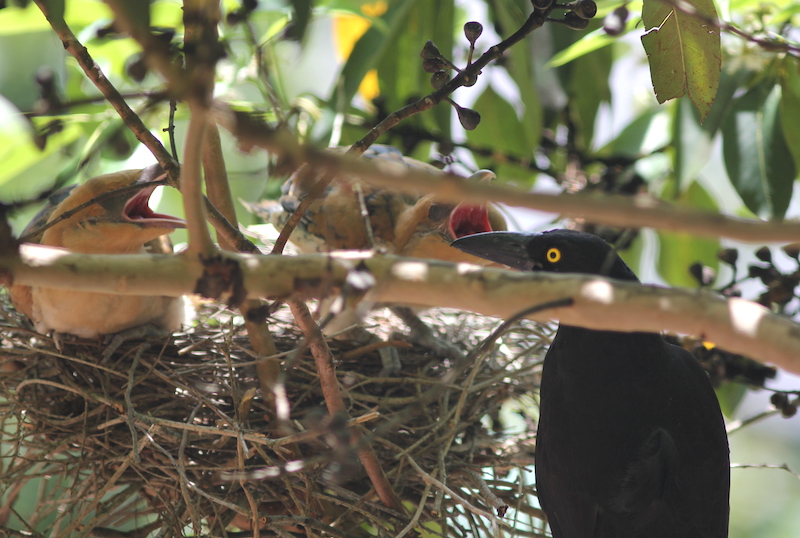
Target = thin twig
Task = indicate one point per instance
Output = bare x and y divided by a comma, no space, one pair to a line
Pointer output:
739,425
191,185
467,76
96,200
428,479
417,513
128,403
333,399
193,515
498,504
156,52
170,129
111,483
93,72
780,466
315,192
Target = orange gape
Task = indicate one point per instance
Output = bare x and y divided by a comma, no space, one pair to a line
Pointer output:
119,224
403,224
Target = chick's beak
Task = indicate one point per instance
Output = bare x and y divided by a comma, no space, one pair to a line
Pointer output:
137,211
507,248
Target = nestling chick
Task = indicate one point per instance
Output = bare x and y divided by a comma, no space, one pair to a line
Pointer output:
407,225
120,224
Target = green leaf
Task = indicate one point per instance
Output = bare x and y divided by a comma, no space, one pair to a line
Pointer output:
55,8
366,53
594,40
678,251
632,255
790,106
520,62
500,129
400,72
730,395
683,51
15,21
692,138
590,71
392,46
166,14
137,13
757,159
26,169
83,13
500,125
647,133
301,16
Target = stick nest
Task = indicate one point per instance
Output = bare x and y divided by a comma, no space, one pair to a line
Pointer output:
174,437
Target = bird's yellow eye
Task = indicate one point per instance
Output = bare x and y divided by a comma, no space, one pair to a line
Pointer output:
553,255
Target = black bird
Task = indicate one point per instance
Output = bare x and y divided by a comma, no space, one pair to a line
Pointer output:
631,441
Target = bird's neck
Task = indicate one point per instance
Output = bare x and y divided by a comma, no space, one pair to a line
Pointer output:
575,331
588,349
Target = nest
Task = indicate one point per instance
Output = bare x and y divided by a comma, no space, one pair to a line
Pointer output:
173,437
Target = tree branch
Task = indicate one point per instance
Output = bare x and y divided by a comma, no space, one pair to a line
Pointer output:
734,324
93,72
611,210
465,77
323,358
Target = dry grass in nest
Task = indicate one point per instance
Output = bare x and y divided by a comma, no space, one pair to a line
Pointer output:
210,450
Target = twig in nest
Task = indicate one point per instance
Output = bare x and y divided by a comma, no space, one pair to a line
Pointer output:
428,479
333,399
498,504
370,348
123,466
129,404
194,517
418,512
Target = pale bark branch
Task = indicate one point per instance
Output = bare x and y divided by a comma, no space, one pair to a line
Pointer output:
624,211
736,325
191,184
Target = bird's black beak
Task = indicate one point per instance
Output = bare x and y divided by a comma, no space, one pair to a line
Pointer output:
508,248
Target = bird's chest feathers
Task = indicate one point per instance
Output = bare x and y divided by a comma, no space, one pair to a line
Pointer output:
595,373
89,315
601,399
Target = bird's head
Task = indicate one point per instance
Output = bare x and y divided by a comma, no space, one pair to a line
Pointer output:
118,223
561,251
426,229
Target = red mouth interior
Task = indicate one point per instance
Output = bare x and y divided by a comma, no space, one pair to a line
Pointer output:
469,219
137,209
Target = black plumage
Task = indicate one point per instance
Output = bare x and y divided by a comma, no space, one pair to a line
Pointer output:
631,440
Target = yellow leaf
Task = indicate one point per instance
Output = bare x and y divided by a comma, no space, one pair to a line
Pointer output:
347,30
